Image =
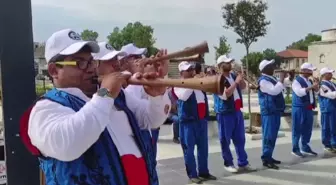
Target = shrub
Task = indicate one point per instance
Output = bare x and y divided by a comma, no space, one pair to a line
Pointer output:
40,90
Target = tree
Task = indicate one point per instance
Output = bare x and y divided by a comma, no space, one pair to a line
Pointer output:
248,20
270,54
253,59
137,33
89,35
223,47
304,43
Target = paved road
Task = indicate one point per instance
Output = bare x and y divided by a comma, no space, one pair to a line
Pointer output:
293,170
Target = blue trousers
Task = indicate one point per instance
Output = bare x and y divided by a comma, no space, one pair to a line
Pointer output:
191,134
155,137
302,126
270,129
231,126
328,122
176,126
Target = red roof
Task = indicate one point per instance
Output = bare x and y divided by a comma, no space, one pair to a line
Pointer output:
293,53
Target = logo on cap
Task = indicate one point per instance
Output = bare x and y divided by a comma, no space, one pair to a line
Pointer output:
74,36
109,47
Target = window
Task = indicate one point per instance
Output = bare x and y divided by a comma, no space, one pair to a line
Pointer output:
297,63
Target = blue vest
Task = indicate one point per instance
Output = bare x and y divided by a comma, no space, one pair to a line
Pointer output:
101,163
304,101
327,104
187,110
270,104
226,106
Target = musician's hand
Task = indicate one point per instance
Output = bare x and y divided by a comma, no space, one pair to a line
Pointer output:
152,91
282,76
239,78
114,81
315,86
162,66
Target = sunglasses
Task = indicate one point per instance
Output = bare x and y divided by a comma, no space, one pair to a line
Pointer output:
81,64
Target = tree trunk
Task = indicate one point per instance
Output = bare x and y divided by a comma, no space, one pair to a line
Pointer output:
248,90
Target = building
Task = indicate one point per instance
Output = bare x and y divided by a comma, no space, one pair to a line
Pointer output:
292,58
39,58
323,53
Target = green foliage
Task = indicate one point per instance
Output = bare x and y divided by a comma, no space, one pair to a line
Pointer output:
89,35
270,54
137,33
223,47
40,90
246,115
254,59
288,100
304,43
246,18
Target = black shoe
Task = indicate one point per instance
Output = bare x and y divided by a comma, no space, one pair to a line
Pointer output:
207,177
175,140
309,152
195,180
298,154
276,161
270,165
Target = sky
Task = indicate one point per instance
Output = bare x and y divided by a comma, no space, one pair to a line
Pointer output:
181,23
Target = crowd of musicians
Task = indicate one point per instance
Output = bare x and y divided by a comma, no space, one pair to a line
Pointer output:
85,133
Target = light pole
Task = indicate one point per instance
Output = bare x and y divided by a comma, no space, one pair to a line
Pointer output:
18,87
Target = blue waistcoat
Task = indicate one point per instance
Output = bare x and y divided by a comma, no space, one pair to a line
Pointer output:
303,101
226,106
101,163
327,104
187,110
270,104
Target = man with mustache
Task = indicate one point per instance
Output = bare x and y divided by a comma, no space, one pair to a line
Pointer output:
303,103
82,135
229,116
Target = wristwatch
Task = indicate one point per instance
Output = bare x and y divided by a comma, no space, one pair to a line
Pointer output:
103,92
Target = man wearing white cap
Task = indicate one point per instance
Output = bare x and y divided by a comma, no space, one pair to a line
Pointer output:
272,105
193,110
229,116
303,103
107,58
133,52
327,101
84,140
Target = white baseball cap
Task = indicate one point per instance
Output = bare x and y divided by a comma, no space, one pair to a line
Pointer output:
225,59
131,49
307,65
264,63
107,52
66,42
326,70
183,66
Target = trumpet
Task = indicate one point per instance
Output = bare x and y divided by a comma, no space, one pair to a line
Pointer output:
238,68
292,72
193,58
189,52
253,85
211,84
